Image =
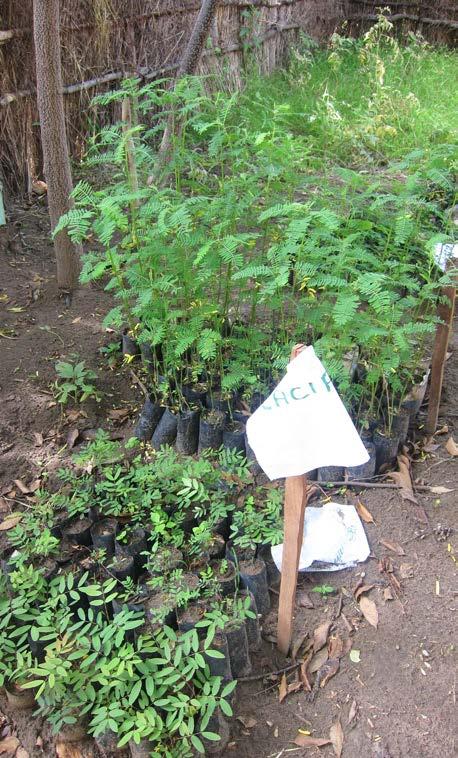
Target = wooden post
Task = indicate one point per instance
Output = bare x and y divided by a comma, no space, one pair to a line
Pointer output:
294,510
445,312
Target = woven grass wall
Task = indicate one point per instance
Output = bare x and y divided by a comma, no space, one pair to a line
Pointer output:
105,40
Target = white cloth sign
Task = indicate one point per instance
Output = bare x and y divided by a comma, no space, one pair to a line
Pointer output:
303,424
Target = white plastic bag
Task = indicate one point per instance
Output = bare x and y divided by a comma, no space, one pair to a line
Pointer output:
334,539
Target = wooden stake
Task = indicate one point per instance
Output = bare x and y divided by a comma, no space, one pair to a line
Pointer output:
294,511
295,502
445,312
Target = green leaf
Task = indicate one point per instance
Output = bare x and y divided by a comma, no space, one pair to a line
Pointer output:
225,707
197,744
135,691
229,688
211,736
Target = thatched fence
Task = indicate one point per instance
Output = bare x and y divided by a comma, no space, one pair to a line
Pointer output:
106,40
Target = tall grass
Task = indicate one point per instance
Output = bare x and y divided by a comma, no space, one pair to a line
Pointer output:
333,100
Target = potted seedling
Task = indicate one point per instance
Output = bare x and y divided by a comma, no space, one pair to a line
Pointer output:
225,574
199,543
228,615
103,533
162,559
187,439
254,526
134,541
212,422
15,675
78,530
130,594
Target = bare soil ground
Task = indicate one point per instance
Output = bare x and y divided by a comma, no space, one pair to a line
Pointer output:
404,686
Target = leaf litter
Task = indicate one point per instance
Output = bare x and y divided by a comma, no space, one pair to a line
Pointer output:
320,635
369,610
337,738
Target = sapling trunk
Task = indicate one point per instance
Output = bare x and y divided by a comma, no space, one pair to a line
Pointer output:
46,31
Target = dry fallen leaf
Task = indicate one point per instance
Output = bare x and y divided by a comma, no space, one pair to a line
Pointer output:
118,414
248,721
10,522
364,513
22,487
328,670
72,436
21,753
294,686
403,479
304,675
320,635
283,689
406,571
9,745
68,750
393,546
442,430
369,611
318,660
304,600
303,740
297,644
440,490
38,439
335,647
337,737
35,485
451,446
387,594
361,590
352,712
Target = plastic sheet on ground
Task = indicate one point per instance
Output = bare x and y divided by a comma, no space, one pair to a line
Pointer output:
334,539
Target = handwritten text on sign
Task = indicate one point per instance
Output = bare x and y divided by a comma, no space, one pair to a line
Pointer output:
302,436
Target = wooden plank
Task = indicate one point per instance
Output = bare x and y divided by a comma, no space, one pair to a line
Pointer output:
445,312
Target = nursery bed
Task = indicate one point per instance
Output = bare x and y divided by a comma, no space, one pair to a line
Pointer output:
409,711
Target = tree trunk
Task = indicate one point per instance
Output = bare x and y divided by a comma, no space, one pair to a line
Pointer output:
188,66
46,31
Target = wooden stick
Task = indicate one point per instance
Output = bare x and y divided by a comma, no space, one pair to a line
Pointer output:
445,312
295,502
294,511
379,485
